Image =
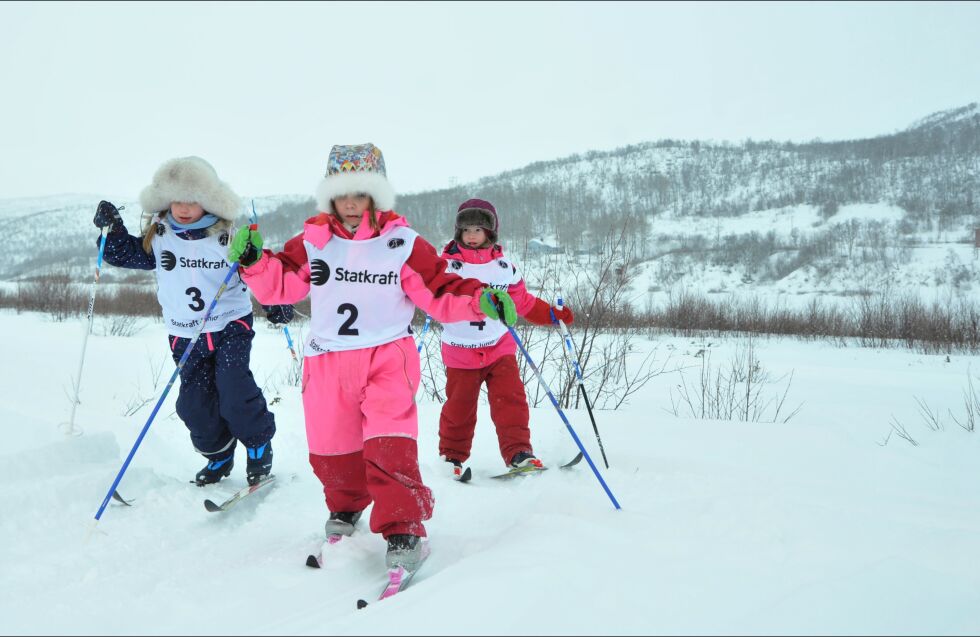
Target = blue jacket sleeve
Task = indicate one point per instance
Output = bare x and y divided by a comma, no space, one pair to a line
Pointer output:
123,250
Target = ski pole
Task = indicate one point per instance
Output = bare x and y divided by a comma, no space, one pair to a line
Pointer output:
289,341
173,378
567,336
88,330
554,402
425,328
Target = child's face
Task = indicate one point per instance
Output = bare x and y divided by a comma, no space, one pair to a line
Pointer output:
351,208
474,236
186,213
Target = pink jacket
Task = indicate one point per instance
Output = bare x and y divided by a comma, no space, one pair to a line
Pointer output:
529,306
284,278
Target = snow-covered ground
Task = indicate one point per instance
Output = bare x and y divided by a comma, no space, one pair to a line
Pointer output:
827,524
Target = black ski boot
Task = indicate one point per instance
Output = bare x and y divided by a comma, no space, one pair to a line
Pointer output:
259,463
342,523
215,471
525,460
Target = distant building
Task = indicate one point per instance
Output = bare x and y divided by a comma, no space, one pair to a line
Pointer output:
538,246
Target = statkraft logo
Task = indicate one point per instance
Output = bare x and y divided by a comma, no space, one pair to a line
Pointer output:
320,273
203,264
169,261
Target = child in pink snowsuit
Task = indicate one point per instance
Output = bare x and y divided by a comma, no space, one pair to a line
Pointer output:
483,351
365,271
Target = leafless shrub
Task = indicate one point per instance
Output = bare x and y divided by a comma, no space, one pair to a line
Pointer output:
605,331
875,320
733,393
127,300
121,325
54,294
8,298
971,407
138,400
931,418
902,432
433,369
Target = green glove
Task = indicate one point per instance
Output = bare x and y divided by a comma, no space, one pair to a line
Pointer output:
501,297
246,247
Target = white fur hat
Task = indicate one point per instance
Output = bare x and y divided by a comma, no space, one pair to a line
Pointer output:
190,179
353,169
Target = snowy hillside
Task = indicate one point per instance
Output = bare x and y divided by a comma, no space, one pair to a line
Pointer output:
709,257
931,170
828,523
948,117
838,219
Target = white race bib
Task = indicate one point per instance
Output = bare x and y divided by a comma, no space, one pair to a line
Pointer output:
189,273
499,274
356,293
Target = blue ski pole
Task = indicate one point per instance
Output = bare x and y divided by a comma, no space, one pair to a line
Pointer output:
567,336
425,328
568,425
289,340
173,378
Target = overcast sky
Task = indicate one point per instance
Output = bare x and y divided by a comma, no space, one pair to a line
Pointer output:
96,95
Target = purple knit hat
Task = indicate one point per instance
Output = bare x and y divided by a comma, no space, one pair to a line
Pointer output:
479,213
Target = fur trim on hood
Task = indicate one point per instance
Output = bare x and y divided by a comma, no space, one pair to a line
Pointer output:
354,168
190,179
479,213
348,183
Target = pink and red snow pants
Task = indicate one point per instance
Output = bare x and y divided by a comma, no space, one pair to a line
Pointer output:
508,409
362,429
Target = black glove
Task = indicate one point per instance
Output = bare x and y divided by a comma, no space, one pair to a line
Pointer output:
278,314
107,216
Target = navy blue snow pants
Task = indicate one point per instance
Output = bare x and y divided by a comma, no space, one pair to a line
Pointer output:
219,400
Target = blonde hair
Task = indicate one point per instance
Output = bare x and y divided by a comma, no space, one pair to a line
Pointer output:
150,226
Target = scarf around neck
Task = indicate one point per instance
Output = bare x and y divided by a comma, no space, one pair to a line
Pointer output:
206,221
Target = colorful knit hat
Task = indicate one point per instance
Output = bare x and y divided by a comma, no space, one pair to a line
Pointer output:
479,213
353,169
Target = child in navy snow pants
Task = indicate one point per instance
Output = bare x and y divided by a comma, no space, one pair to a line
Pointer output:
184,241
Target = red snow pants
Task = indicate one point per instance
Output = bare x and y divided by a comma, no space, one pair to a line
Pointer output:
508,409
386,472
361,425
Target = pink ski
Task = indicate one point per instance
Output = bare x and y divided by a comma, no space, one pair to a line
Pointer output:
395,578
398,579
